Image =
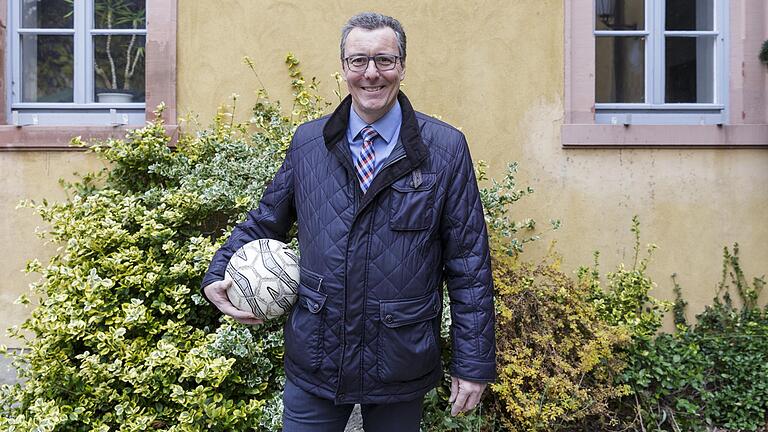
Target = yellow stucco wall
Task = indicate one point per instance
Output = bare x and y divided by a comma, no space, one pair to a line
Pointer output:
29,175
495,68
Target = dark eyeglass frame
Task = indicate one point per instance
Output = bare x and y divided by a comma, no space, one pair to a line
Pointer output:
376,61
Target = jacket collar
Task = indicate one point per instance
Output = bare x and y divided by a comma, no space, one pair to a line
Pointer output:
334,133
336,127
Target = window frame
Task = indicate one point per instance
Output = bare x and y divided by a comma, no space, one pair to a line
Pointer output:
160,87
655,110
82,110
746,117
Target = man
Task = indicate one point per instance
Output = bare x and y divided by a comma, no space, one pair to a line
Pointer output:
388,208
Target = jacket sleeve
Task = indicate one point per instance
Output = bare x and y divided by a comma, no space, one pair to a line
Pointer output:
467,271
273,218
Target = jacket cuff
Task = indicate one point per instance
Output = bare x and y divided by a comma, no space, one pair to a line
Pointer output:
473,370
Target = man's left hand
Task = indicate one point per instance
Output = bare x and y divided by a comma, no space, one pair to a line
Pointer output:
465,395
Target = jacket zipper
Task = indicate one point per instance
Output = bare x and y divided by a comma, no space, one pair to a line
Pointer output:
356,187
365,304
355,204
389,162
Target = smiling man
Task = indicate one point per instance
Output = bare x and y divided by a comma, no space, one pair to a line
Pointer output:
388,213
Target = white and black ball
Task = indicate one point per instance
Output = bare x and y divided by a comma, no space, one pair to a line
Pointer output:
265,278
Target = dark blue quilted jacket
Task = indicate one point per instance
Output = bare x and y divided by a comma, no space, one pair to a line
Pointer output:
366,326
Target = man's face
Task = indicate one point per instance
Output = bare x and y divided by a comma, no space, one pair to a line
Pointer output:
373,91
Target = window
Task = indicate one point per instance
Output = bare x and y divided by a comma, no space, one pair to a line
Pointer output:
665,85
660,61
77,62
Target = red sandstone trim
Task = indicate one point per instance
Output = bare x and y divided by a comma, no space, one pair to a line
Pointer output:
666,136
56,138
3,67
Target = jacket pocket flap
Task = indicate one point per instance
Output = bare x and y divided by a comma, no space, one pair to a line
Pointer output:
310,279
408,183
396,313
309,291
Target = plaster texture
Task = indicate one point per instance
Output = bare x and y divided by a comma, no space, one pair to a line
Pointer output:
492,68
495,69
35,176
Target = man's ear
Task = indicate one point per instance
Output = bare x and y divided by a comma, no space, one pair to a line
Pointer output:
402,74
343,71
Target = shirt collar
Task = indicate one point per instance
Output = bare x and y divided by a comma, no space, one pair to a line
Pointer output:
386,126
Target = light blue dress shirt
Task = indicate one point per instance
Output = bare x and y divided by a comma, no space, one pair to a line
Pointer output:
388,128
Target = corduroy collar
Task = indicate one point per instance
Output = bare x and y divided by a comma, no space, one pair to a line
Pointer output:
335,128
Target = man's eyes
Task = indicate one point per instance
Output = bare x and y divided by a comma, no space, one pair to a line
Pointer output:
359,61
383,60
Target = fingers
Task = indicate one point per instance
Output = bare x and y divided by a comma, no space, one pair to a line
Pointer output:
460,402
465,395
217,294
454,389
472,401
249,321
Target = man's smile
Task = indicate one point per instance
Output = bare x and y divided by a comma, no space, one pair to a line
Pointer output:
372,89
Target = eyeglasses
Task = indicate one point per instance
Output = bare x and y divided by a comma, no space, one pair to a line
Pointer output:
383,62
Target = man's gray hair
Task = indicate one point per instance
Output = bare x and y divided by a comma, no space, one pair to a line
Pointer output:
373,21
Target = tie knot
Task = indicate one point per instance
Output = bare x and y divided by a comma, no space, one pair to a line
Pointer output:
369,133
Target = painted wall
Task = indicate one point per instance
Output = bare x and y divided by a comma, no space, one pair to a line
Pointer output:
35,176
495,69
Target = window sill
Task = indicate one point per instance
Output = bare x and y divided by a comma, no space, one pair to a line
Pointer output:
664,136
57,138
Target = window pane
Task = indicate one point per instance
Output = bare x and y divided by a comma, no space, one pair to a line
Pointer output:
46,14
46,68
119,66
690,15
690,69
120,14
619,14
619,69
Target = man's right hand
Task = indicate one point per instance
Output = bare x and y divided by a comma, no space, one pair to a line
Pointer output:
217,294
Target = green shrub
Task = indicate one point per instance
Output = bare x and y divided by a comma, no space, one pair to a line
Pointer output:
713,373
625,301
557,359
121,338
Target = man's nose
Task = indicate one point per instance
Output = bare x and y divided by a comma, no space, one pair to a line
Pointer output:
371,71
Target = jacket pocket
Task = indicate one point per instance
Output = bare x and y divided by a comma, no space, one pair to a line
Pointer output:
304,328
407,349
412,201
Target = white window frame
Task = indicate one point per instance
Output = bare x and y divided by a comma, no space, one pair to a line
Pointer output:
655,110
83,110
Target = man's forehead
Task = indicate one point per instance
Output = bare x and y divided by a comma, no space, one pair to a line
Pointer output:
381,35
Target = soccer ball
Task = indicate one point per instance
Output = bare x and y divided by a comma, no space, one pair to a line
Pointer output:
265,278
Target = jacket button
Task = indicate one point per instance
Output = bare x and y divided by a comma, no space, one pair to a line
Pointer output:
314,307
388,319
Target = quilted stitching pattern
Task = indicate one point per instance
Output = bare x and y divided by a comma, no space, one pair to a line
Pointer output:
363,260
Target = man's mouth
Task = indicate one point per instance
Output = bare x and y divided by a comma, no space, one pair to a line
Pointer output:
373,89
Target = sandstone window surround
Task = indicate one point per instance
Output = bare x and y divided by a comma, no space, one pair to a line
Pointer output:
731,114
159,87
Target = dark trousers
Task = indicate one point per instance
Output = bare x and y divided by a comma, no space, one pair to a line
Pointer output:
305,412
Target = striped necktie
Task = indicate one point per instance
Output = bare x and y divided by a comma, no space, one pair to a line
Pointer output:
366,162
